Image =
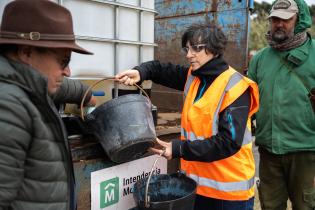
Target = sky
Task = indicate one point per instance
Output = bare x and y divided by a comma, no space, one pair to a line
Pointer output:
309,2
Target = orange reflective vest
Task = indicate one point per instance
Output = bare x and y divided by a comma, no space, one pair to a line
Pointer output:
231,178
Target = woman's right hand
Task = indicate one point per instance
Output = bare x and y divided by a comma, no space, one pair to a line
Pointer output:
128,77
165,151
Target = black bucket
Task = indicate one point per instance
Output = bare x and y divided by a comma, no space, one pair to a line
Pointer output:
124,126
166,192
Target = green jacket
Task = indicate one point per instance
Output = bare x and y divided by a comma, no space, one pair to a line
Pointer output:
285,121
35,165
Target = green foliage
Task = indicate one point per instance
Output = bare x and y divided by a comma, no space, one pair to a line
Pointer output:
259,26
312,10
258,29
260,8
312,29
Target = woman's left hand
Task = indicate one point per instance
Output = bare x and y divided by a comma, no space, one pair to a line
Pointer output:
166,150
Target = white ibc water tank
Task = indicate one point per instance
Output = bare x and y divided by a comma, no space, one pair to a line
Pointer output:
120,33
2,5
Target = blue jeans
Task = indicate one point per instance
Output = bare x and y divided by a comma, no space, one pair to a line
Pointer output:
205,203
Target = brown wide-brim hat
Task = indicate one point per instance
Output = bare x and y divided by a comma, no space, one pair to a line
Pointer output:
38,23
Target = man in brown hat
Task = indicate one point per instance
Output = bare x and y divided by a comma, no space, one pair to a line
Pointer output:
36,41
285,134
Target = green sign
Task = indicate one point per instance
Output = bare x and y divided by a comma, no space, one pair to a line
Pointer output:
109,192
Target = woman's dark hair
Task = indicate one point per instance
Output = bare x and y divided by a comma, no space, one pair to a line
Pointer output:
209,34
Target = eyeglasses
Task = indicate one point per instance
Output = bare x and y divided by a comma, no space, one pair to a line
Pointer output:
64,62
194,48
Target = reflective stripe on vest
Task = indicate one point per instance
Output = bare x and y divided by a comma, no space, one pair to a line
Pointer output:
192,136
223,186
190,79
235,78
248,138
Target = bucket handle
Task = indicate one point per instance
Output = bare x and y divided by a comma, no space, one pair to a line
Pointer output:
95,83
146,197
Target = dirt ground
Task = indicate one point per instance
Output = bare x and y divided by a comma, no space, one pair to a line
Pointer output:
256,204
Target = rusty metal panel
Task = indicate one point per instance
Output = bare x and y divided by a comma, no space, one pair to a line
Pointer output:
174,16
83,170
88,156
169,8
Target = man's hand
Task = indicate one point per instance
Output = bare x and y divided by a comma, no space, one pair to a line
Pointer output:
92,101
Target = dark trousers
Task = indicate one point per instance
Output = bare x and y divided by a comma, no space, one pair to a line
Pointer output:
205,203
284,177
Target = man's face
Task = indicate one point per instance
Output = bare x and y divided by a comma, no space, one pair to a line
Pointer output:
282,29
53,64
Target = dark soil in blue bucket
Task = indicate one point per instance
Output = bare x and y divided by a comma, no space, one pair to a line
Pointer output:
174,190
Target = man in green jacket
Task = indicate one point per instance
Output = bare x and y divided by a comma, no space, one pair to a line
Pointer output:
36,41
285,74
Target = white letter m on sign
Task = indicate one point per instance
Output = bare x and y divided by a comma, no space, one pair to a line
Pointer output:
109,194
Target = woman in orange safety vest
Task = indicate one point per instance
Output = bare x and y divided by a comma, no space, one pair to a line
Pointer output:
216,142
